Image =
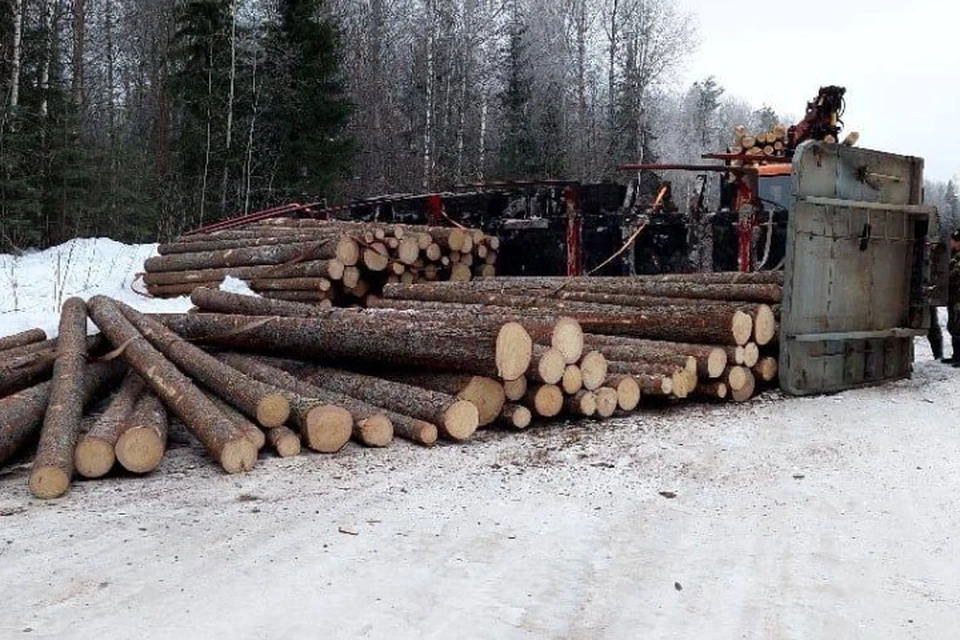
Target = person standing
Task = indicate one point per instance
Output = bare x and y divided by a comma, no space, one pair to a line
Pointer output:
953,301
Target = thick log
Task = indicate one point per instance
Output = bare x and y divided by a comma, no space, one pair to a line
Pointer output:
284,442
572,380
315,299
53,466
583,403
607,402
486,393
456,419
375,257
737,378
372,425
21,414
253,433
216,301
268,255
94,455
144,440
22,339
593,370
628,391
36,365
545,400
222,439
548,365
516,416
482,347
330,269
711,360
745,393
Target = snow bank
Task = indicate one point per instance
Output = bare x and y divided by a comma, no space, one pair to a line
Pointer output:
34,286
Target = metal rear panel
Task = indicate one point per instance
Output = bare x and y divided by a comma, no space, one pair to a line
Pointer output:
857,267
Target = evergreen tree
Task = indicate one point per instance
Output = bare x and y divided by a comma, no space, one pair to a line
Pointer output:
518,145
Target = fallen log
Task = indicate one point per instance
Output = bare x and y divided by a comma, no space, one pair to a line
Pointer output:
253,433
548,365
713,390
21,414
484,348
545,400
222,439
216,301
515,390
53,465
316,285
22,339
485,393
284,442
745,392
330,269
267,255
456,419
583,403
572,380
766,369
94,455
516,416
679,379
607,402
32,366
144,440
628,391
711,360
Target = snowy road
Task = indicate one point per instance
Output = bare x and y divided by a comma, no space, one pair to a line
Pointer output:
793,518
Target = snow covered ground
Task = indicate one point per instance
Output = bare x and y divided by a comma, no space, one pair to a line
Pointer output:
831,517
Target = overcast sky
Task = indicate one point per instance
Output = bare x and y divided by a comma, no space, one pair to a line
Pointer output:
898,59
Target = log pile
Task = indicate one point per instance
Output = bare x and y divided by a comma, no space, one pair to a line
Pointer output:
428,361
767,144
323,262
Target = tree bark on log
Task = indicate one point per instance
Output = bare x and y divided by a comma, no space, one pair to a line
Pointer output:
21,371
222,439
330,269
485,393
711,360
456,419
313,285
53,466
269,255
766,369
144,440
679,379
216,301
583,404
253,433
284,442
487,348
267,404
95,455
22,339
713,390
22,413
372,426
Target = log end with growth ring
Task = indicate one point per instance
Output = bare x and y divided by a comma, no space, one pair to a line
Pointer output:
140,449
551,366
765,329
736,378
348,251
487,395
691,365
517,416
607,402
285,442
583,403
47,483
628,391
716,363
514,351
593,369
273,410
751,354
546,400
567,337
742,327
746,391
93,457
238,456
679,382
328,428
572,381
460,420
766,369
515,390
375,431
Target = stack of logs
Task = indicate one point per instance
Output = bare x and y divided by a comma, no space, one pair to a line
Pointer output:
323,262
770,143
431,360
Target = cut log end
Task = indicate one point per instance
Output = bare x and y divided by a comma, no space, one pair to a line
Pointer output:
487,395
514,351
737,378
48,483
140,449
516,416
628,391
515,390
607,402
460,420
747,390
328,428
375,432
285,442
765,329
766,369
716,363
583,403
593,369
567,338
751,354
546,400
93,457
572,381
742,327
238,456
273,410
348,251
551,367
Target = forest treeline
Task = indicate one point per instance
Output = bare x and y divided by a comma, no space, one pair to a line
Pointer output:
138,119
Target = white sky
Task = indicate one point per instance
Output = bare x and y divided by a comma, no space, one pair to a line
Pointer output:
898,59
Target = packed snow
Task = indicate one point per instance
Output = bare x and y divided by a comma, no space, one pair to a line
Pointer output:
823,517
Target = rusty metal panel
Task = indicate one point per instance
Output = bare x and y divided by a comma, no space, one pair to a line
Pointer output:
858,275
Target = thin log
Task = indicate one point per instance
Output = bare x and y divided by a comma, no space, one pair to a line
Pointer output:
548,365
253,433
486,393
21,414
593,370
572,380
291,284
766,369
94,455
53,466
144,440
628,391
679,379
516,416
330,269
268,255
515,390
22,339
711,360
223,441
545,400
216,301
607,402
712,390
32,366
284,442
583,403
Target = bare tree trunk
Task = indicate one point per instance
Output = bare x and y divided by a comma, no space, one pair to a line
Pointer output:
207,150
230,97
248,169
46,26
17,54
428,127
79,43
